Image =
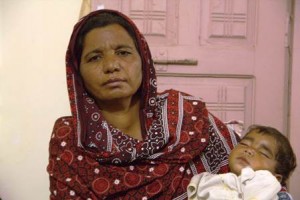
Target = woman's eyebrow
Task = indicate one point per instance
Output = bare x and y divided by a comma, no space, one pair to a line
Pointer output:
98,50
92,52
123,46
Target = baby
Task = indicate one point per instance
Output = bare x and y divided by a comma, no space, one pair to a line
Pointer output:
260,166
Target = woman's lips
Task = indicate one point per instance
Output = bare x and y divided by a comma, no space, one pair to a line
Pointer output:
113,82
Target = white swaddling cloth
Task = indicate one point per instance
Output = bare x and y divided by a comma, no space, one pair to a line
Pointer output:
250,185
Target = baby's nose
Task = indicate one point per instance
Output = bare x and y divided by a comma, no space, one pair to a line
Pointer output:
249,152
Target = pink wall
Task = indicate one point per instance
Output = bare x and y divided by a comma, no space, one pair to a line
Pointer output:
295,103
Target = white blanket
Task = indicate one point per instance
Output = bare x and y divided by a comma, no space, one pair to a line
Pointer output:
258,185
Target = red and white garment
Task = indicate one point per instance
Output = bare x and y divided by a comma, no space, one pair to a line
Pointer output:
90,159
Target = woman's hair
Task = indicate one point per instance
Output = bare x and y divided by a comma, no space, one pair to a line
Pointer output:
285,157
102,20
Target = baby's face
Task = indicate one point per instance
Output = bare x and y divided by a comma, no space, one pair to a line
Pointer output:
255,150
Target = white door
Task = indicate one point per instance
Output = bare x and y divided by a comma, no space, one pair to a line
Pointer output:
229,52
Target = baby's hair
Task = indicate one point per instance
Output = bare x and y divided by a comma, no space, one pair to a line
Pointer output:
285,156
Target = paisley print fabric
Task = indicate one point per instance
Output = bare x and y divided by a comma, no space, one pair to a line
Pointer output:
91,159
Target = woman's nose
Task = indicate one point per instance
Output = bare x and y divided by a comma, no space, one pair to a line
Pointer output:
110,64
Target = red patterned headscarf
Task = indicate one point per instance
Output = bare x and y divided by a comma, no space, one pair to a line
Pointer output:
90,159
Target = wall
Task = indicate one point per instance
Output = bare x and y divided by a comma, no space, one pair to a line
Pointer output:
295,103
34,37
1,58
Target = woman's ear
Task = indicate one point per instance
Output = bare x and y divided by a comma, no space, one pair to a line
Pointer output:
279,177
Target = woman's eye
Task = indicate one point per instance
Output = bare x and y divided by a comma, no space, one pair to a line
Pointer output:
94,58
123,53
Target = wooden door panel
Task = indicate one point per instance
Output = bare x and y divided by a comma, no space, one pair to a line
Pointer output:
231,99
234,47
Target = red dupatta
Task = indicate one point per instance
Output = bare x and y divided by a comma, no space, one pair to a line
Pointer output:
90,159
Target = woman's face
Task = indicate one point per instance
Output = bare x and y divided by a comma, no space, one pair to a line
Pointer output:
110,66
255,150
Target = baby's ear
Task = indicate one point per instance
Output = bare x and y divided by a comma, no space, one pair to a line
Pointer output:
279,177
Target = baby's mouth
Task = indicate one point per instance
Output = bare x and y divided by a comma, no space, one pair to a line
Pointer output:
243,161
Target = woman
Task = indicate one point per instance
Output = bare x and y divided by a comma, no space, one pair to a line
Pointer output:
124,140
